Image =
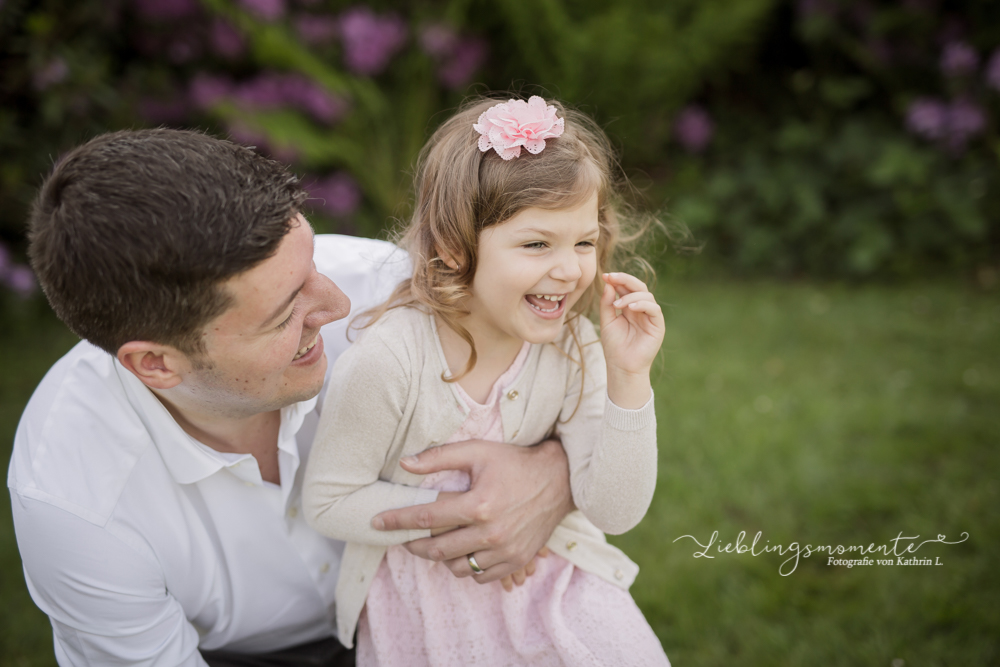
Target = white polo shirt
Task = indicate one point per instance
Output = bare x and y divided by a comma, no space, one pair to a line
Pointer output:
141,543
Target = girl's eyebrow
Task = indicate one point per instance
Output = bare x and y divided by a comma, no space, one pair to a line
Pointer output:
541,231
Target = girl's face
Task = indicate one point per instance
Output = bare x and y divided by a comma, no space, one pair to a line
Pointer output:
532,269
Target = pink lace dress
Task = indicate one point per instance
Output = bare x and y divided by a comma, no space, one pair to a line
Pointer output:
418,613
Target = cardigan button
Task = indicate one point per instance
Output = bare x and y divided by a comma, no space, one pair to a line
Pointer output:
619,574
512,394
570,546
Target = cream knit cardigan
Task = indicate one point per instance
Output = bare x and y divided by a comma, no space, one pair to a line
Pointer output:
386,400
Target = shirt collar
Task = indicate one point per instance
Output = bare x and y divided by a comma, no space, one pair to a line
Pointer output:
187,459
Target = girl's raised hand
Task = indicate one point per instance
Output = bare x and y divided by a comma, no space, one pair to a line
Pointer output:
631,333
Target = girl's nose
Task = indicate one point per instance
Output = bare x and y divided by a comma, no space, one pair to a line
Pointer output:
567,267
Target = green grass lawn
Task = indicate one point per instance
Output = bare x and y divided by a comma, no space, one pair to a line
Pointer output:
814,414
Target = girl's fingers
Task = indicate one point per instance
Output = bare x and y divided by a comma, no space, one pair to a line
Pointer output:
607,310
625,283
507,583
519,577
529,569
652,310
631,298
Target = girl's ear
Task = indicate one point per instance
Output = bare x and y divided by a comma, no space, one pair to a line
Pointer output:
448,259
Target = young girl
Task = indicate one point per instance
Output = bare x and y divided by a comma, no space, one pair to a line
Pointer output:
487,341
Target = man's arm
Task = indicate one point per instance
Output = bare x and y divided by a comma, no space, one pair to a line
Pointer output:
517,498
108,604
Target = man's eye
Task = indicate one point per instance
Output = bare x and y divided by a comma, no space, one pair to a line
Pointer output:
287,321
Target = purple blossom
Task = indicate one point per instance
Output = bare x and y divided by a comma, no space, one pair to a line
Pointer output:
251,138
273,91
165,112
337,194
965,120
370,41
466,58
207,89
20,279
269,10
958,59
54,72
438,40
927,117
951,124
225,39
693,128
317,29
993,71
158,10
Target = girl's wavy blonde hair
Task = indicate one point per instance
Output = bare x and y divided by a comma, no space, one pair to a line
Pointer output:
460,191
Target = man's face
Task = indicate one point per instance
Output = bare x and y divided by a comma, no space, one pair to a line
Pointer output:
265,351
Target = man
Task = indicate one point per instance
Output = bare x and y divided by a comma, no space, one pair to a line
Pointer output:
157,470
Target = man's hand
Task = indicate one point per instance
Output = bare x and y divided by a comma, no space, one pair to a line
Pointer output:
518,496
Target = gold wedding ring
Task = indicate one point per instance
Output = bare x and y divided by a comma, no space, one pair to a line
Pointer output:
474,565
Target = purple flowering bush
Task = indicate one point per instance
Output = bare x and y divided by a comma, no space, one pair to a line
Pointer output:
341,91
861,142
824,137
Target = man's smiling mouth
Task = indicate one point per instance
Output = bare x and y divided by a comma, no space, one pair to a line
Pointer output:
304,350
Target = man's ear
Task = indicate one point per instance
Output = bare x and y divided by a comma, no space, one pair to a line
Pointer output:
157,366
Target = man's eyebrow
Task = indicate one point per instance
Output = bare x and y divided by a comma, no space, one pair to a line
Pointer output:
282,307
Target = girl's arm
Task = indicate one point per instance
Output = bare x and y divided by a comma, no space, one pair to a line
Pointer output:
365,402
610,440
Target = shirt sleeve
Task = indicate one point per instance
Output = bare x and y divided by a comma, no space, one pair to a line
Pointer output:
107,603
368,392
611,451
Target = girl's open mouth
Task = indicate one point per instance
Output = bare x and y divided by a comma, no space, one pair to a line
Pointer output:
546,305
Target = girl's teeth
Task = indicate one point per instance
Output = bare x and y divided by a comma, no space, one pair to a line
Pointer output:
550,298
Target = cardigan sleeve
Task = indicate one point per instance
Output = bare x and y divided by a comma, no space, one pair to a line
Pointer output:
361,419
611,451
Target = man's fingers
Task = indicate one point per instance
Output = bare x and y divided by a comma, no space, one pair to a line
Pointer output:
529,569
445,512
520,576
507,583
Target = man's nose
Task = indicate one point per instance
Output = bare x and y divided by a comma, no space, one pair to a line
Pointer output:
330,303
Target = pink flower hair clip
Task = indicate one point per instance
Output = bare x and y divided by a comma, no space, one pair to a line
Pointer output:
507,126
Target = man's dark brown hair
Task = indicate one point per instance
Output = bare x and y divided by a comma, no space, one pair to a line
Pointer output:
133,233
